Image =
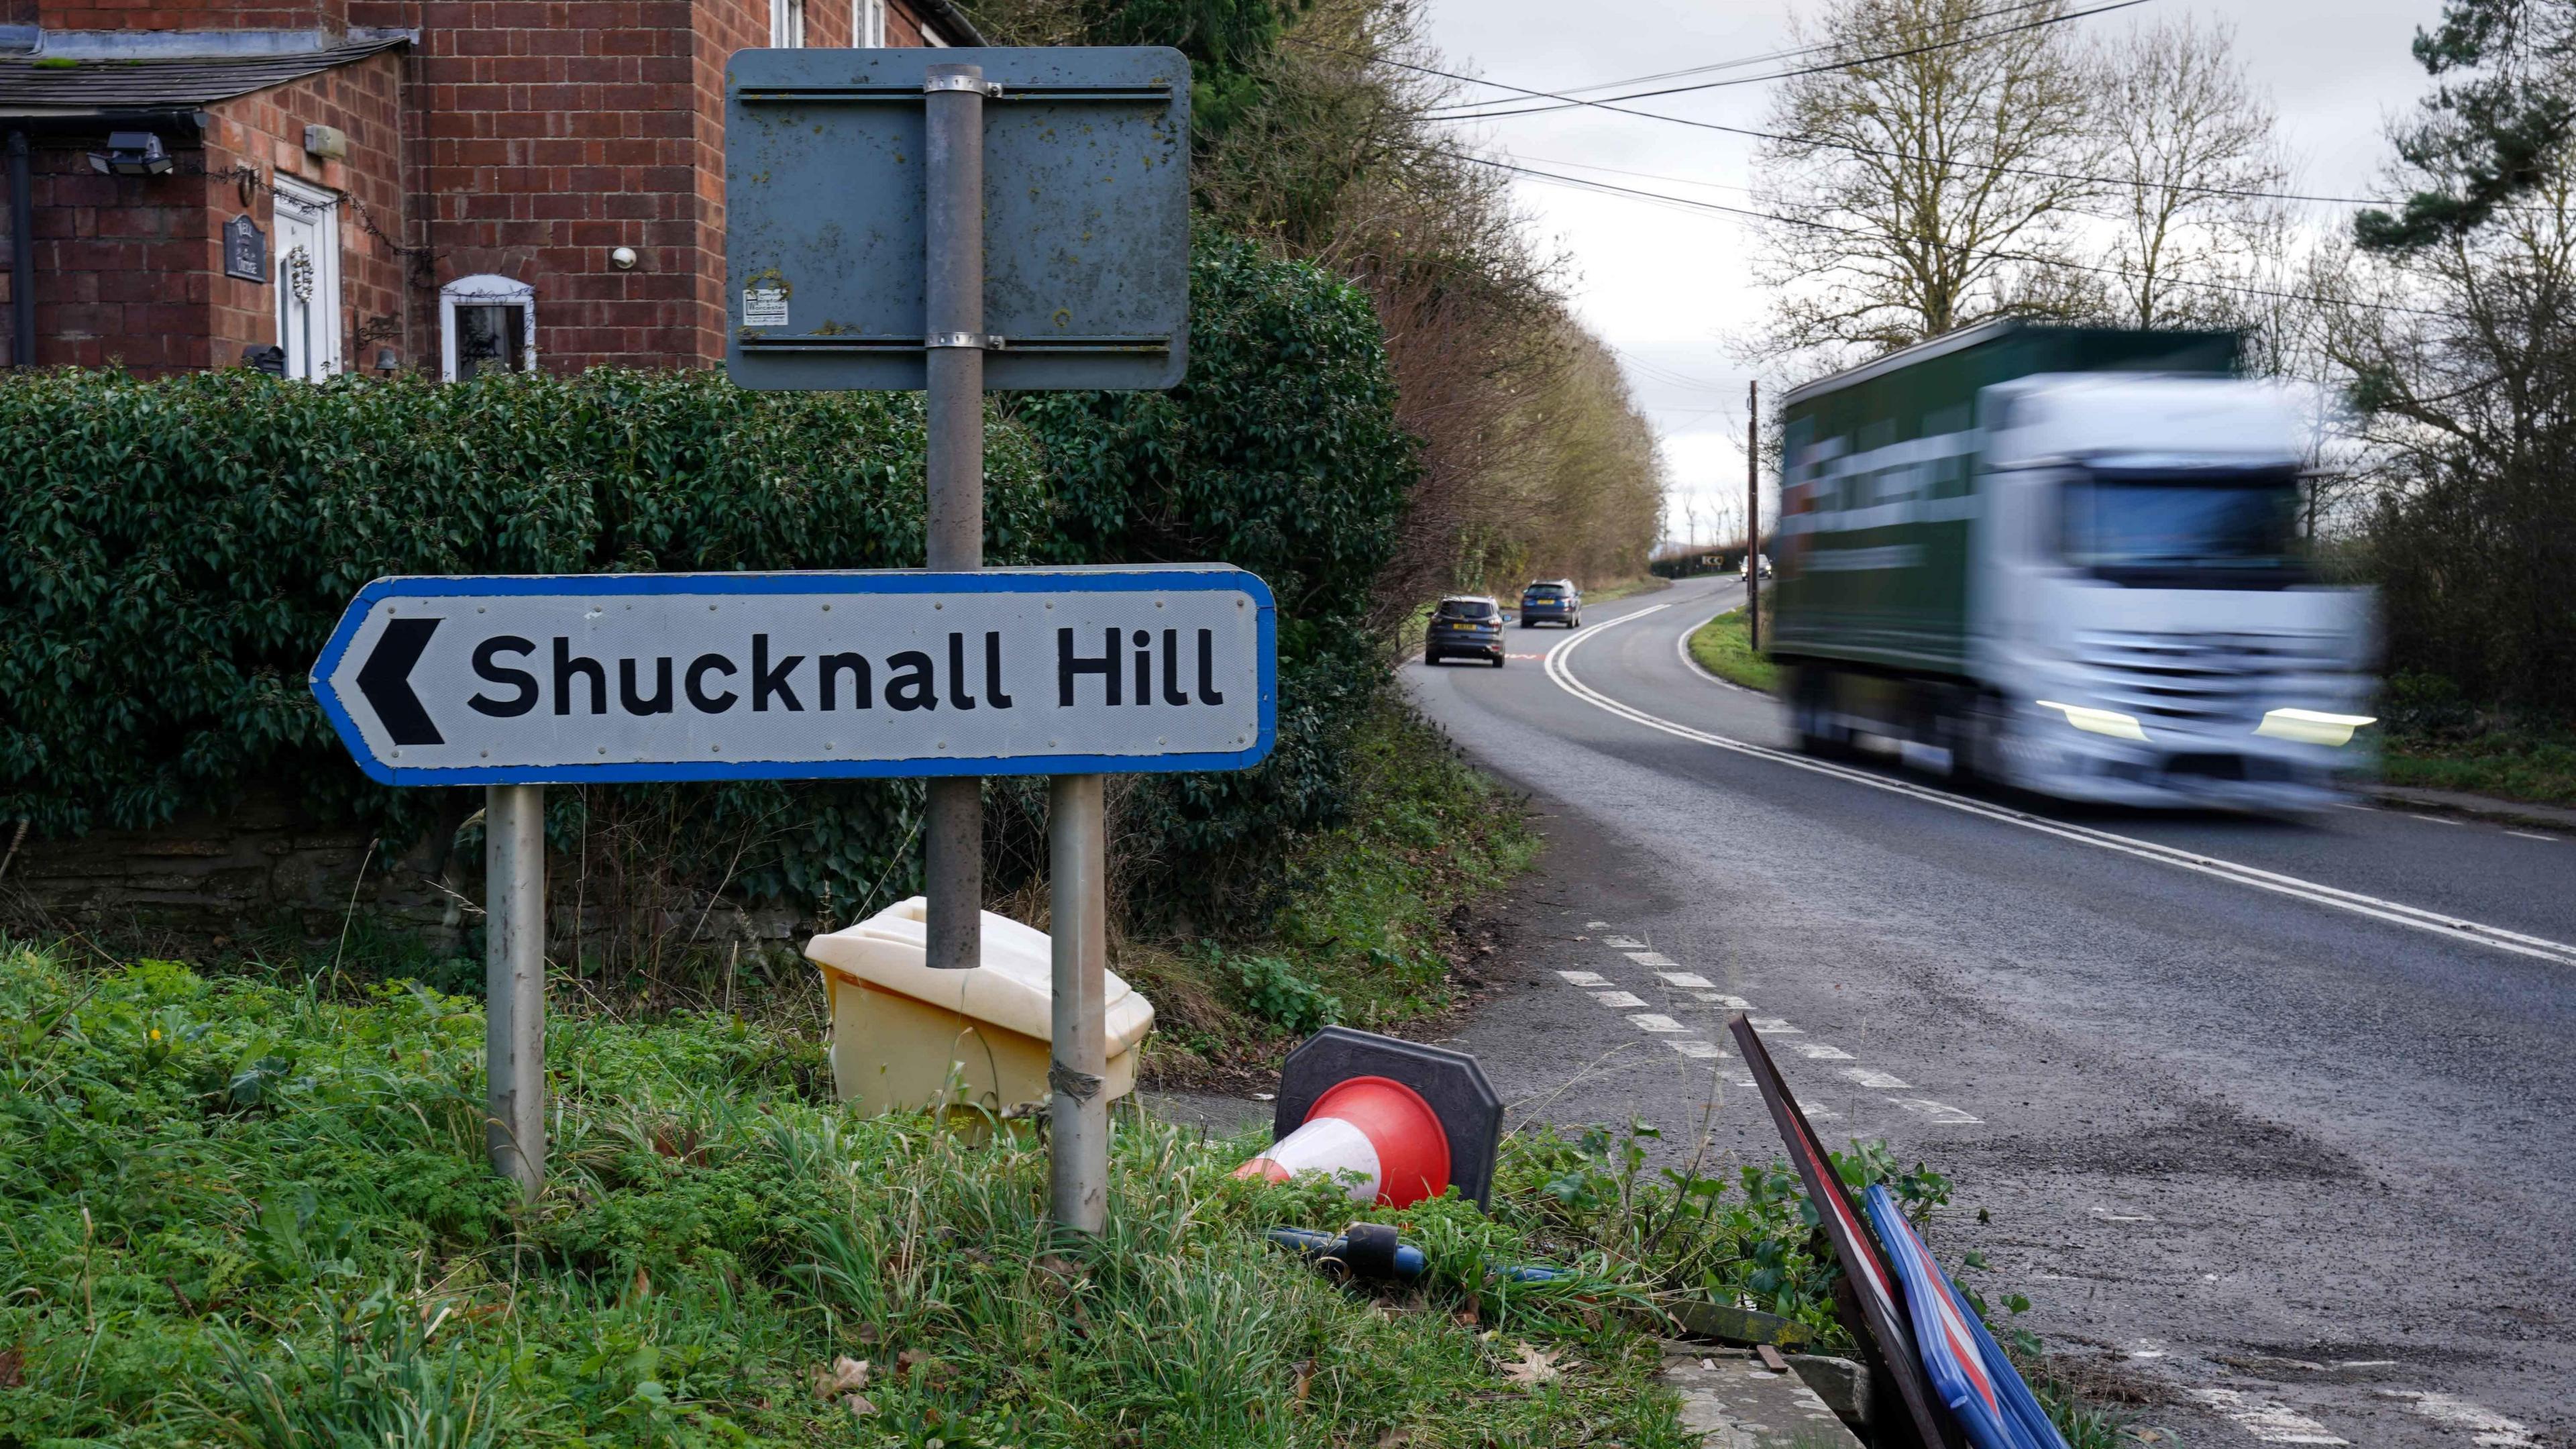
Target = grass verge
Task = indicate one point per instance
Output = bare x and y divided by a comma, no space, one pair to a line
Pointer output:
1722,647
1372,927
241,1211
2439,740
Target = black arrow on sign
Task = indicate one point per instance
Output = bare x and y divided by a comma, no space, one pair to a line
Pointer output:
385,679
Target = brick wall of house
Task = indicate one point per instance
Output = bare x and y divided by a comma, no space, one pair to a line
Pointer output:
326,15
263,134
129,269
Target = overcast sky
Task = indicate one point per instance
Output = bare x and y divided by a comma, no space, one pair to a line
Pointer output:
1669,288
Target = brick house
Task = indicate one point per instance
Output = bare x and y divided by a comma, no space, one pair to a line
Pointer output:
382,185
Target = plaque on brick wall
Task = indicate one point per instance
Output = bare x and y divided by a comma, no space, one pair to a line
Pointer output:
245,250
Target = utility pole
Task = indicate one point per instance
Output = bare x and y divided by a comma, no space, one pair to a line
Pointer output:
1753,513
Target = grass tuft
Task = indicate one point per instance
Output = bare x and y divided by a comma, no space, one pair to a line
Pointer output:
1721,647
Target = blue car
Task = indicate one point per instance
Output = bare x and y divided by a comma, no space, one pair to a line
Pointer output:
1465,626
1552,601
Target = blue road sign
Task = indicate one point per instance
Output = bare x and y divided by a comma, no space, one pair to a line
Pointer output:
739,676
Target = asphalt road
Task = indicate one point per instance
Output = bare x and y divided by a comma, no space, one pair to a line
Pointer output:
2271,1149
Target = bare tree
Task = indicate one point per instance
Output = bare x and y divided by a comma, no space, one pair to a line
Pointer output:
1928,188
2188,140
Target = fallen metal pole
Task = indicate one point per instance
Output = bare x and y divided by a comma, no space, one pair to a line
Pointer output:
514,1008
1078,860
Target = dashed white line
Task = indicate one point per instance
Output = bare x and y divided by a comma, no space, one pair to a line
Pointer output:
1774,1026
1720,998
2436,819
1650,1021
2532,835
1935,1111
1623,943
1621,1000
1816,1051
1584,978
2314,892
1656,959
2266,1419
1596,925
1695,1048
1881,1080
2485,1426
1685,979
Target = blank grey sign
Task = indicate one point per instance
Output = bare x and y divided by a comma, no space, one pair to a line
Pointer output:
1086,217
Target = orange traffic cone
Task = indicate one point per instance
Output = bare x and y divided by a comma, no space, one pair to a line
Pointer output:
1361,1109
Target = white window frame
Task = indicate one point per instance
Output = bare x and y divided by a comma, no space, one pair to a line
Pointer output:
787,24
868,24
319,209
486,290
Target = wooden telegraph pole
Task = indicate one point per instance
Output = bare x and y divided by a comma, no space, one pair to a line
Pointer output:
1753,512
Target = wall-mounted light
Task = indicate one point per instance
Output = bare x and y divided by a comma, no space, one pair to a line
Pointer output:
131,153
623,259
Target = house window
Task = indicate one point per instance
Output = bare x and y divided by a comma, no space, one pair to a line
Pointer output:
867,24
487,324
787,24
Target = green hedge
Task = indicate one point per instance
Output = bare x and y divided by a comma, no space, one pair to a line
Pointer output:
172,554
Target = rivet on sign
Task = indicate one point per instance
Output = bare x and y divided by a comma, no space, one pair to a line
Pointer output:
711,749
397,754
1158,603
478,608
937,605
827,608
603,749
1050,603
487,754
711,608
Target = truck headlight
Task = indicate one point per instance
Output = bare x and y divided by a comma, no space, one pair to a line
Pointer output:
2098,721
2311,727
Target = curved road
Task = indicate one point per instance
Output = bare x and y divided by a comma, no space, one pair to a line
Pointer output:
2274,1121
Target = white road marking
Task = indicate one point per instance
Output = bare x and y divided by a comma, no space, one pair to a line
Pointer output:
1621,1000
2532,835
1936,1111
2108,1216
1816,1051
1655,959
1774,1026
1623,943
2484,1425
2436,819
2314,892
2354,1363
1650,1021
1720,998
1685,978
2271,1422
1583,978
1596,925
1695,1048
1881,1080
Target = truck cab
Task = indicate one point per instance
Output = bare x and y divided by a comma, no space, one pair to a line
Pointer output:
2144,616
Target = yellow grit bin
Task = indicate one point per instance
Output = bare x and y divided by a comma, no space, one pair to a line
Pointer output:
900,1029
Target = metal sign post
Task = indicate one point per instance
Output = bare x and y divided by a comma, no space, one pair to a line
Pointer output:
953,173
1066,170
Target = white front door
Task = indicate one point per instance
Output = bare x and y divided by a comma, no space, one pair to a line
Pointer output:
308,280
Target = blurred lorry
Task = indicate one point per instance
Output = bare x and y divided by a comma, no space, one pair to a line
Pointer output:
2067,560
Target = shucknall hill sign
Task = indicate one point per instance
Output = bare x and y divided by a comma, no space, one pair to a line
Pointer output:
625,677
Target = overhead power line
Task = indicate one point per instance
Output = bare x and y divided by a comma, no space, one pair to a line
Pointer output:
1990,167
1688,203
1769,57
1568,103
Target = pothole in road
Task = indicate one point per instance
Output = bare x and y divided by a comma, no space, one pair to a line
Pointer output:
2210,1138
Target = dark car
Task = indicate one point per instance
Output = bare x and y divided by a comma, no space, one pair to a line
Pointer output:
1552,601
1465,626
